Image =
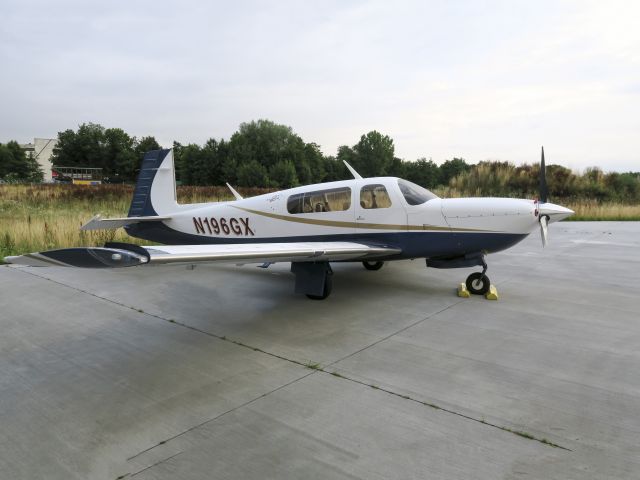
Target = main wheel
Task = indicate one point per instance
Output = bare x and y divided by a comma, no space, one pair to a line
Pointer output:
478,284
328,284
373,265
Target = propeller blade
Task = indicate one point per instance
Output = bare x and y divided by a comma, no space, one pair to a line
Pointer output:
544,221
543,192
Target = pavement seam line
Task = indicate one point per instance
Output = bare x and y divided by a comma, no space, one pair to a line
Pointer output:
397,332
155,464
248,402
210,334
520,433
314,367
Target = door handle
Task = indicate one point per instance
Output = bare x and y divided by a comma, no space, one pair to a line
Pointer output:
360,217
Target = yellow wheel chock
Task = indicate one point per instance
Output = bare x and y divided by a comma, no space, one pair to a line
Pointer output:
492,294
462,291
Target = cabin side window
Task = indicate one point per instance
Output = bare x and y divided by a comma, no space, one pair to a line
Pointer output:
374,196
330,200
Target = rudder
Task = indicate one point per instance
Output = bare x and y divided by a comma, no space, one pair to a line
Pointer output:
155,191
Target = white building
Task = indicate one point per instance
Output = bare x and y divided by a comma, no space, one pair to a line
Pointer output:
41,149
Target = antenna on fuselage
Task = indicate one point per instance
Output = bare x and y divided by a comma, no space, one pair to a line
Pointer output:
355,174
235,194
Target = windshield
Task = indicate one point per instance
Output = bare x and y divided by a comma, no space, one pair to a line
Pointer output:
415,194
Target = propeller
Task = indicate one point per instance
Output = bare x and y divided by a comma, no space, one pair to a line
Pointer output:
544,221
543,191
543,194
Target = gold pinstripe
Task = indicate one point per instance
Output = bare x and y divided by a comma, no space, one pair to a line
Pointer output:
340,224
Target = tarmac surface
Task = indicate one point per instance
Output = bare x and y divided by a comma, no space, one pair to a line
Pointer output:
223,372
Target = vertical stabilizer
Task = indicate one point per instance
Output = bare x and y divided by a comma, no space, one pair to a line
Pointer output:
155,192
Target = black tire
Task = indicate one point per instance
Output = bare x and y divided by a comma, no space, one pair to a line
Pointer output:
373,265
478,284
328,285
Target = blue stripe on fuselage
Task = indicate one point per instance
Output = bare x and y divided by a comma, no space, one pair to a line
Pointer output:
412,244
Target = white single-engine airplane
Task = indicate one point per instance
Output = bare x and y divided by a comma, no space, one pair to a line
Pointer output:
368,220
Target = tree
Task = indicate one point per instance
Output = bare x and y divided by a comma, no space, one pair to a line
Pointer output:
623,186
33,171
560,180
112,149
276,148
251,174
144,145
187,163
423,172
7,162
214,154
372,156
16,165
119,157
335,169
346,154
316,162
83,148
398,168
452,168
283,175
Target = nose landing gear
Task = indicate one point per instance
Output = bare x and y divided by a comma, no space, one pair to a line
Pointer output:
478,283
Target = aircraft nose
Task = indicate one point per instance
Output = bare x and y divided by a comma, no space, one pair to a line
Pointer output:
554,212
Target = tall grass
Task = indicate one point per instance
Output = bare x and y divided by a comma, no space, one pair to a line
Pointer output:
594,211
42,217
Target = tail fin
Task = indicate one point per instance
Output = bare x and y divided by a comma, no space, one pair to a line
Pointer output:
155,192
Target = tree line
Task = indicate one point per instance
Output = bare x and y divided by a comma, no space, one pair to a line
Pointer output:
259,154
265,154
505,179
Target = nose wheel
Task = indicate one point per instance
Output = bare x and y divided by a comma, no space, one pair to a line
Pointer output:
478,283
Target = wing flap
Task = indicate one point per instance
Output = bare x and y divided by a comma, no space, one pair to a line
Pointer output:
267,252
119,255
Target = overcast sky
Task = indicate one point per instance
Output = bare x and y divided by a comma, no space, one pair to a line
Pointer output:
474,79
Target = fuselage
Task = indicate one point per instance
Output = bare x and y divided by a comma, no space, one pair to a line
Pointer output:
383,211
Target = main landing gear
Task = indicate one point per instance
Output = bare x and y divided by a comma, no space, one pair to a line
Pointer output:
478,283
373,265
326,291
313,279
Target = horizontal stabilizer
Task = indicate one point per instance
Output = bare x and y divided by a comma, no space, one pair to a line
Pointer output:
99,223
115,255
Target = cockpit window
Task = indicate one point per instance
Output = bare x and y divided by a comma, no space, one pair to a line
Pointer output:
415,194
374,196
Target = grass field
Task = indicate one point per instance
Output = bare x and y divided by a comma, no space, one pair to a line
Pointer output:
593,211
43,217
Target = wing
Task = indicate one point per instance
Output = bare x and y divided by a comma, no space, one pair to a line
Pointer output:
114,255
